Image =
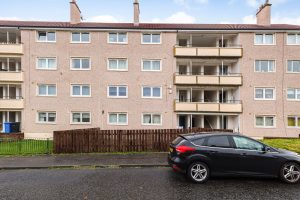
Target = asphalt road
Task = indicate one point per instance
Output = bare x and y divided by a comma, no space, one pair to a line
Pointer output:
134,183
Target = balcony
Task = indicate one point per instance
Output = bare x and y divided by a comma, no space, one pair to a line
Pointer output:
11,49
226,52
228,107
11,76
12,104
226,80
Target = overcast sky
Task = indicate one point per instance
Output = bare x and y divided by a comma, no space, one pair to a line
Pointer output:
159,11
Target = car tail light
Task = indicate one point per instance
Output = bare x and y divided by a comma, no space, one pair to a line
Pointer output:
184,149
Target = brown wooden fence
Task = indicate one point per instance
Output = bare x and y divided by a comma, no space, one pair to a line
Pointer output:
96,140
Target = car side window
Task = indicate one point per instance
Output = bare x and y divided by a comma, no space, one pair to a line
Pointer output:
218,141
245,143
199,142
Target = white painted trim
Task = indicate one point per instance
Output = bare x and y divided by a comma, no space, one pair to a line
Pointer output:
80,123
275,66
80,42
47,85
119,70
264,35
47,113
80,69
151,43
37,40
47,58
264,88
80,96
151,97
145,59
264,116
117,97
147,113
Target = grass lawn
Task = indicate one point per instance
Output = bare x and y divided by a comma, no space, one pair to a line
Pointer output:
289,144
25,147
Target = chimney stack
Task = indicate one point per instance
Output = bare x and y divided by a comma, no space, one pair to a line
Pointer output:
75,13
263,15
136,17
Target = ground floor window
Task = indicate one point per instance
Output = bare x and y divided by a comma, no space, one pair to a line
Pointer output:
294,121
152,119
81,117
118,118
46,117
265,121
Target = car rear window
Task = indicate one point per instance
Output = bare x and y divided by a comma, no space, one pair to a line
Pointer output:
177,140
218,141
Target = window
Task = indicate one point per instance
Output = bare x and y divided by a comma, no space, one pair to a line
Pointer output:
117,91
199,142
151,65
150,38
151,92
78,37
245,143
294,121
80,63
117,64
44,36
264,66
81,117
293,66
265,39
46,117
80,90
117,119
265,121
117,38
264,94
218,141
152,119
293,94
46,90
293,39
46,63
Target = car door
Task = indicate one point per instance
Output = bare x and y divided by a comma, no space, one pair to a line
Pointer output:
221,154
252,158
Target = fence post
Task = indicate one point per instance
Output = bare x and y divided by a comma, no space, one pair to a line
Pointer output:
47,146
19,146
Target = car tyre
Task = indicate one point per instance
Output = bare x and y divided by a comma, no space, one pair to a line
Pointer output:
290,173
198,172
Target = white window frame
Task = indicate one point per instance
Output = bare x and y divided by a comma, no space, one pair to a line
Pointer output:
47,116
297,39
80,69
151,43
296,117
152,124
287,67
264,119
117,124
296,94
81,113
264,39
268,66
47,61
47,90
80,42
151,61
46,41
264,94
151,97
122,70
117,97
81,85
109,42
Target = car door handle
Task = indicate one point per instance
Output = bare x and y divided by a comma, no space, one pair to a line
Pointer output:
213,151
243,154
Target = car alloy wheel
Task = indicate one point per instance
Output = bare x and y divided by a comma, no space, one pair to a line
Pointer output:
198,172
291,173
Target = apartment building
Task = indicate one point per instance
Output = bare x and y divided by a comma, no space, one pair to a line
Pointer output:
69,75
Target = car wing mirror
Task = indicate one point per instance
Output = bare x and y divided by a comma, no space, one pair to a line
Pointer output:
267,149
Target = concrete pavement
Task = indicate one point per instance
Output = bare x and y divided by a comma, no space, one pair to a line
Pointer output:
84,160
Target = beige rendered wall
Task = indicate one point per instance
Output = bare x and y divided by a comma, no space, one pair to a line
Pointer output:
279,79
99,78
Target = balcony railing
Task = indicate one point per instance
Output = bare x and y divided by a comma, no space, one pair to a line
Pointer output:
230,106
190,51
12,103
10,76
11,48
234,79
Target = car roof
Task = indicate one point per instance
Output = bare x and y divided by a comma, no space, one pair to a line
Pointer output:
198,135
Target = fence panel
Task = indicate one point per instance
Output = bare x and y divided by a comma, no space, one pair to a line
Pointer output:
96,140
